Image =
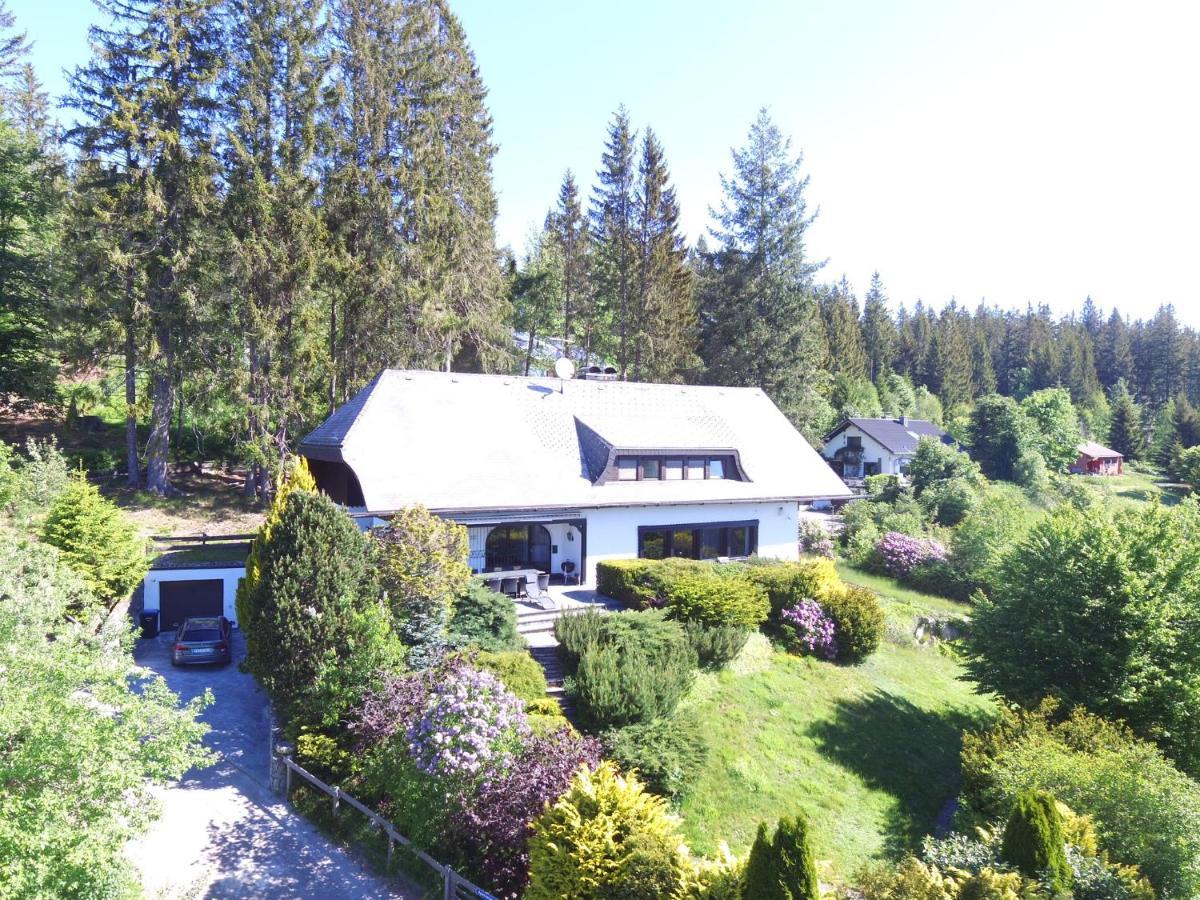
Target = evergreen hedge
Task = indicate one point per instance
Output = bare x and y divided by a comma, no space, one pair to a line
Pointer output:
1034,842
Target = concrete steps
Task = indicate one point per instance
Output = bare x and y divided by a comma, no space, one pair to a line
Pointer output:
540,621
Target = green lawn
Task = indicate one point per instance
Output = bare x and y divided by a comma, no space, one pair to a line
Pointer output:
869,752
1135,488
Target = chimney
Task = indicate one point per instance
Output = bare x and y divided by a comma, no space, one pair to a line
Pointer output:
904,421
595,373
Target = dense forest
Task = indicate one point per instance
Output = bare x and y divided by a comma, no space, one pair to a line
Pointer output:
252,206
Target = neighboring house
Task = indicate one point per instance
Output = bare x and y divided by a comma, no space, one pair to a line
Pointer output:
861,447
1096,459
558,475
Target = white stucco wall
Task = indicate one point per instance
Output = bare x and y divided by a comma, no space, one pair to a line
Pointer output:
612,533
230,576
873,451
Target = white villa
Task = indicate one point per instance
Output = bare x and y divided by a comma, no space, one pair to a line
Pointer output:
860,447
557,475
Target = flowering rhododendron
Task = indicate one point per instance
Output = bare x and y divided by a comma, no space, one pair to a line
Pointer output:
811,629
901,554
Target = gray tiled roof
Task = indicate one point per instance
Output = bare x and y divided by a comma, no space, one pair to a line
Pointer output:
454,441
1097,451
895,435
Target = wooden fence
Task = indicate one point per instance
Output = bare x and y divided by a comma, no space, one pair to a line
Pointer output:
454,886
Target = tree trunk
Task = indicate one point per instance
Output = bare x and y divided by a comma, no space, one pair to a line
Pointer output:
158,446
529,353
134,475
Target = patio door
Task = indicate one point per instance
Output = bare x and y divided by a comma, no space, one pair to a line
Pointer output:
518,547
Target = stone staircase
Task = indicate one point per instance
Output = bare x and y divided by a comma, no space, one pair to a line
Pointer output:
537,627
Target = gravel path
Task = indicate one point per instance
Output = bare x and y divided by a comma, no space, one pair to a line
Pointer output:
223,834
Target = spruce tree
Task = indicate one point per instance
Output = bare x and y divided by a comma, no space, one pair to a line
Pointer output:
950,368
1125,433
664,308
147,93
878,330
537,292
847,347
1034,842
568,228
272,246
14,45
761,879
614,226
759,322
782,867
1114,352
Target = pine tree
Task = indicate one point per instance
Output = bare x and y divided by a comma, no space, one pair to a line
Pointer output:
614,225
782,867
1125,433
759,323
878,329
273,236
664,308
568,227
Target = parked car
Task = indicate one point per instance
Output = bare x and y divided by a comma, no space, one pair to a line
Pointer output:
203,640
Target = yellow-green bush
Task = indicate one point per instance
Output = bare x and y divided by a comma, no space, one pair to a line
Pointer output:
626,581
606,837
858,621
519,672
787,583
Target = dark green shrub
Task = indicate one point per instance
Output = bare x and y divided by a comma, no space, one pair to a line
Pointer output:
883,487
578,632
948,502
482,618
626,581
316,629
1034,841
667,754
519,671
858,621
782,867
716,646
939,577
628,667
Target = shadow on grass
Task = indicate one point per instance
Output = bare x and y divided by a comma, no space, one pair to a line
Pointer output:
897,747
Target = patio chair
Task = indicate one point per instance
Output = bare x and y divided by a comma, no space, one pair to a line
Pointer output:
509,586
496,584
543,581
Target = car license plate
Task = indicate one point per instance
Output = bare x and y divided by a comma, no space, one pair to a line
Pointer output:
202,651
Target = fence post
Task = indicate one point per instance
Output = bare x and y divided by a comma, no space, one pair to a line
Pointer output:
448,884
281,773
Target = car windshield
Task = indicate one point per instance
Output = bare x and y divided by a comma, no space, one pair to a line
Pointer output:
202,634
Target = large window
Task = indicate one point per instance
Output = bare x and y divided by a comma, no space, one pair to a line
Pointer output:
674,468
518,547
699,541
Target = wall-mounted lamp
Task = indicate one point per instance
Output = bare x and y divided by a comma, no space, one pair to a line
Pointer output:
570,534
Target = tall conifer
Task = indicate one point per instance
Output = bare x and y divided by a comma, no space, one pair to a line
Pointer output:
759,321
614,226
879,331
568,228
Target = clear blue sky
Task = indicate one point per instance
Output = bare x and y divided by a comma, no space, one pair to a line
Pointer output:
1018,151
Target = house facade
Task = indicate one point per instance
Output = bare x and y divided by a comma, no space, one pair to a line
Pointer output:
1096,459
558,475
860,447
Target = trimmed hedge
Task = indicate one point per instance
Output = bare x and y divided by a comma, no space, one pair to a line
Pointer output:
787,583
690,591
626,581
858,621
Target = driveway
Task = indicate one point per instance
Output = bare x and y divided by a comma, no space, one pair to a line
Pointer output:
222,832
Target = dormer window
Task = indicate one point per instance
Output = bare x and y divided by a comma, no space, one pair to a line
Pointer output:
675,468
853,442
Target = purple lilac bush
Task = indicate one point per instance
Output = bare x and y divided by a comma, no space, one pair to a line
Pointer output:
491,829
901,554
811,629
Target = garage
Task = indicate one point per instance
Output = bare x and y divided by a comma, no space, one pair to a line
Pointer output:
179,600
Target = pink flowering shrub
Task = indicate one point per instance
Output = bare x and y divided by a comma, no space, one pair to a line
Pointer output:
810,630
900,554
815,538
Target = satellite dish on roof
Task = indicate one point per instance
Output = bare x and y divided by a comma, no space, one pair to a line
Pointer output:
564,368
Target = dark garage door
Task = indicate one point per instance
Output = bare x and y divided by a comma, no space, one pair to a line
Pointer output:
177,600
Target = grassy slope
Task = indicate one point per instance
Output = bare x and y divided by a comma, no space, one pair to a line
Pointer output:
870,753
1134,488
